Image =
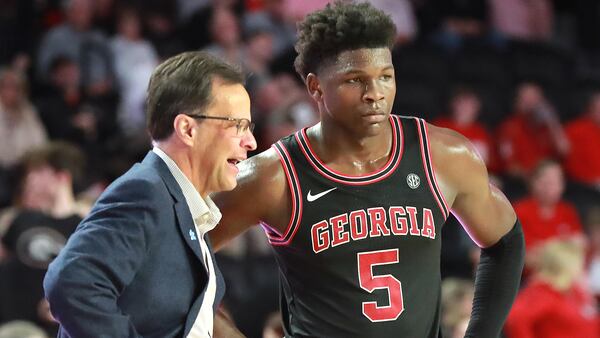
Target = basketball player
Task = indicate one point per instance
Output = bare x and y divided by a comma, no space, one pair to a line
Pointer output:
354,205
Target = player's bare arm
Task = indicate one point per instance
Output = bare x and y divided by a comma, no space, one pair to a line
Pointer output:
484,211
224,327
491,222
262,195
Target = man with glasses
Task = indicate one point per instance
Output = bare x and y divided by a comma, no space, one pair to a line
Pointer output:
140,263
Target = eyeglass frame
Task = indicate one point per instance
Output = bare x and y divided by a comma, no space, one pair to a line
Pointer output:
238,121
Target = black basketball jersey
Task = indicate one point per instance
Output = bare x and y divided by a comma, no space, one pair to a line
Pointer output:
361,254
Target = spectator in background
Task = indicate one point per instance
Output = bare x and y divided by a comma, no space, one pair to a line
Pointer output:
258,54
159,20
298,9
194,27
457,297
465,108
275,19
17,30
592,226
294,112
135,59
63,107
47,214
267,96
21,329
280,103
523,20
21,131
105,15
587,22
403,16
532,133
187,8
582,162
543,213
225,35
79,41
48,177
554,304
20,126
461,21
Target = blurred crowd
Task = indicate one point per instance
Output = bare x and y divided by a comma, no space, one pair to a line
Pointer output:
519,78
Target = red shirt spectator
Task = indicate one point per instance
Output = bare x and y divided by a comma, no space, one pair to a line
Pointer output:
465,108
524,144
540,311
583,160
555,304
532,134
539,226
544,215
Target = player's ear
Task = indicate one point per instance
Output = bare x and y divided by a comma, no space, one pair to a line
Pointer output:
314,86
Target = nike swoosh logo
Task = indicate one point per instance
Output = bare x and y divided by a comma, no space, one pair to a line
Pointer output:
312,198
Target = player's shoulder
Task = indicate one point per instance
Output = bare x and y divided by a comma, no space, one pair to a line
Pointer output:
448,141
263,168
260,181
453,153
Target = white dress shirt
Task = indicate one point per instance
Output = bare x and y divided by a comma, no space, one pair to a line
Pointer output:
206,216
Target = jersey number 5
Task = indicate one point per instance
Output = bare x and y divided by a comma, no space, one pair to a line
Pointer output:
369,282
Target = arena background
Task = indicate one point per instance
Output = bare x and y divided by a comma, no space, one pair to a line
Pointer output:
520,78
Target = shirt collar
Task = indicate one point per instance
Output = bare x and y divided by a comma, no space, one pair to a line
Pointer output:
204,212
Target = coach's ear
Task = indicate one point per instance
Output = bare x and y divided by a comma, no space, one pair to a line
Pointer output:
183,128
314,87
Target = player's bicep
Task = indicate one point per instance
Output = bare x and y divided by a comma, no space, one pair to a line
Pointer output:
487,218
249,202
484,211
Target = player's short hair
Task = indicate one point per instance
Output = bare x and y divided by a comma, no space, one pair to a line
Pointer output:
339,27
183,83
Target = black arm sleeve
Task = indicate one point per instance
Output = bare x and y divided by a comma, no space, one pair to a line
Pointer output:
496,284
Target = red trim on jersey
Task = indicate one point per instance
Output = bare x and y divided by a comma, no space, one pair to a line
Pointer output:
302,134
269,230
296,206
433,168
429,180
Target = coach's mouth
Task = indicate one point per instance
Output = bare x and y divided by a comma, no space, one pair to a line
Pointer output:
236,160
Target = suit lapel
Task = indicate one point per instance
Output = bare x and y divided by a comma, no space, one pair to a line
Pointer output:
182,210
188,229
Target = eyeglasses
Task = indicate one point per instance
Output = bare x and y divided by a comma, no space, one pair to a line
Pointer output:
241,124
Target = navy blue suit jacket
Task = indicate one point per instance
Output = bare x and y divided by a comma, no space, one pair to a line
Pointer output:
134,267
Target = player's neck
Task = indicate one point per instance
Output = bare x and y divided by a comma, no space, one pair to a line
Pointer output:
349,153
